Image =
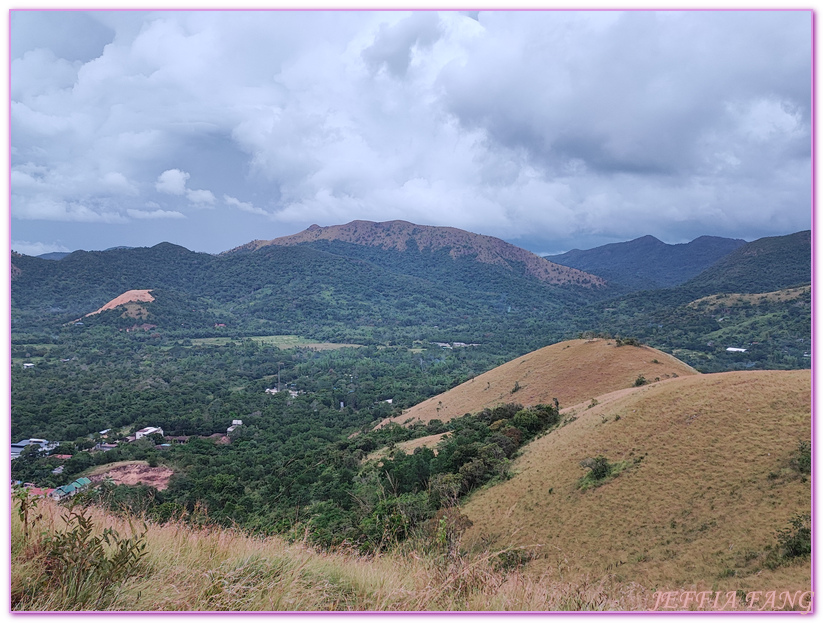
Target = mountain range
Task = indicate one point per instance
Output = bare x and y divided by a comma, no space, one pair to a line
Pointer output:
373,283
647,263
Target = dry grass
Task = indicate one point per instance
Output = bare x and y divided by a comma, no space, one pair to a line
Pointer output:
409,446
217,569
571,371
719,301
712,485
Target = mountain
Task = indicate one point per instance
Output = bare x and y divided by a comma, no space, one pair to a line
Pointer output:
647,263
707,474
329,290
402,236
56,255
571,371
764,265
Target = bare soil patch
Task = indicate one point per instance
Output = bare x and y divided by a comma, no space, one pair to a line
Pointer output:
136,473
132,296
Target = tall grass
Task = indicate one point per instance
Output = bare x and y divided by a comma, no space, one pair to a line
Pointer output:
221,569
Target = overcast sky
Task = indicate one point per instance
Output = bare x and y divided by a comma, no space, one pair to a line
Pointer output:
553,130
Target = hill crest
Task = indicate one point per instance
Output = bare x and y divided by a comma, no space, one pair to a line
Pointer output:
400,235
572,371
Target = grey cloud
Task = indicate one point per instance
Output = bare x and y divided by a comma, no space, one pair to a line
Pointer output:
393,45
71,35
568,125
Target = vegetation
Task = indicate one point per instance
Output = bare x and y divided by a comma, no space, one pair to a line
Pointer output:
222,569
351,337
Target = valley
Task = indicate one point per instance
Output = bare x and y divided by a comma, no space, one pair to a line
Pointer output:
393,394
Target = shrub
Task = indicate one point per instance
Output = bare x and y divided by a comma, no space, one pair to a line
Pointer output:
641,380
796,540
802,460
599,467
83,568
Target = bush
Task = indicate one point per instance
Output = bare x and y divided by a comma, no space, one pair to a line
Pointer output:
802,460
599,467
796,540
82,568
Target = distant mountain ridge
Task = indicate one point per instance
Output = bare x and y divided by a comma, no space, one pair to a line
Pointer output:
647,263
402,236
763,265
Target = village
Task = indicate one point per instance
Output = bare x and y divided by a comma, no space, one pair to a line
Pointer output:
105,440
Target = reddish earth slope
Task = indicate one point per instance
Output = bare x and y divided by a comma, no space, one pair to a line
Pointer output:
397,235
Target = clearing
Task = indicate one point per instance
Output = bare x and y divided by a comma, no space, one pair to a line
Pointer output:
283,342
133,473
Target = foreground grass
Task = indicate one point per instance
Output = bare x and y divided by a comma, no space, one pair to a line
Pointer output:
218,569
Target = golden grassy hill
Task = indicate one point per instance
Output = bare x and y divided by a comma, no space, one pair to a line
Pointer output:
571,371
700,509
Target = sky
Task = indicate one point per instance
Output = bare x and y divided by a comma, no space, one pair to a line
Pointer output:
551,129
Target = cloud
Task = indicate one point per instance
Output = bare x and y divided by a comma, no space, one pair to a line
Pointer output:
172,182
201,197
395,44
245,207
569,124
154,214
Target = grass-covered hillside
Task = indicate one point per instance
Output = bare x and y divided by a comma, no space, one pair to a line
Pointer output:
569,371
697,482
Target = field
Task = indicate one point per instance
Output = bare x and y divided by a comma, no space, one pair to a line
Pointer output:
707,481
283,342
570,371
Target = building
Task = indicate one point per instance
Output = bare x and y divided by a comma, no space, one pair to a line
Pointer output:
149,430
70,489
17,448
234,424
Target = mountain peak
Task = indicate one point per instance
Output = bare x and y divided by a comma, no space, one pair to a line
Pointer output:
400,235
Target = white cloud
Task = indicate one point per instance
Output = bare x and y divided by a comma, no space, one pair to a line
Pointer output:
245,207
201,197
154,214
172,182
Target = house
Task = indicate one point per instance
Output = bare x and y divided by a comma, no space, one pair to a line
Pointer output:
28,365
17,448
735,350
149,430
70,489
234,424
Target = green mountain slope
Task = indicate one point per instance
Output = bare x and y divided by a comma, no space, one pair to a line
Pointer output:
647,263
764,265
